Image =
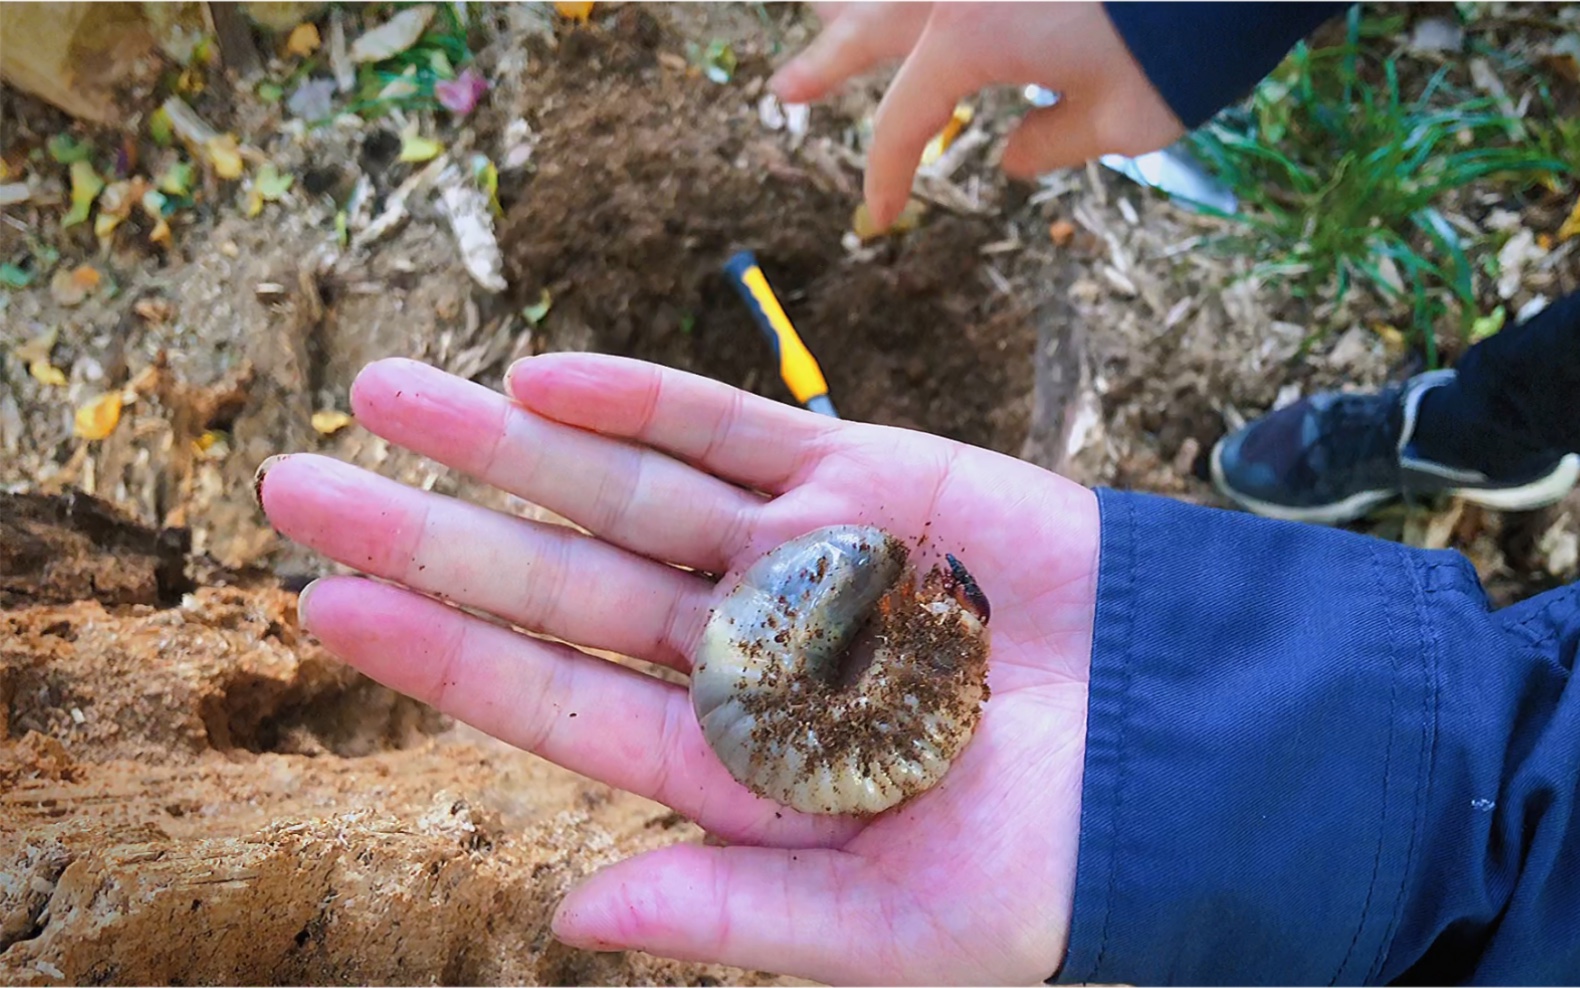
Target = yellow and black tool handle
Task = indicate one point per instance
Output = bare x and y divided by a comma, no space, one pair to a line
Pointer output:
797,366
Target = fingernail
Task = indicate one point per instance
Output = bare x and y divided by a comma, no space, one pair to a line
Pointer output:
301,606
510,376
263,470
581,942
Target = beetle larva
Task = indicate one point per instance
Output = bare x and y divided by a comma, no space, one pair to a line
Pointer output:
831,680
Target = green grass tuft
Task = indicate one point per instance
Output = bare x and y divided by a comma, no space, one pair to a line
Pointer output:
1342,175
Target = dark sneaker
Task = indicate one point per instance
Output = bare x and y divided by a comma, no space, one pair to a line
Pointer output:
1333,457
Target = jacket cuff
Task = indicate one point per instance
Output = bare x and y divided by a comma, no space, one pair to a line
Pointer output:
1259,739
1201,57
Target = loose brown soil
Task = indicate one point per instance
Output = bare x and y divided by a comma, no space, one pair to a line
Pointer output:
650,182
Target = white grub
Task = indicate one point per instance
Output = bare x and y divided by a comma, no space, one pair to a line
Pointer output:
832,681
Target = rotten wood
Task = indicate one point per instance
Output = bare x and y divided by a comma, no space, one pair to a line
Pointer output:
1060,374
71,546
236,47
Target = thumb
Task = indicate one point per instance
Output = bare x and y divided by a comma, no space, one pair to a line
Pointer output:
806,913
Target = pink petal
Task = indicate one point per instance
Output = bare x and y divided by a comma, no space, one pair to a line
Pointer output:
460,95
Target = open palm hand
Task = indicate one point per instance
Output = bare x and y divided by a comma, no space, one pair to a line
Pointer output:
969,882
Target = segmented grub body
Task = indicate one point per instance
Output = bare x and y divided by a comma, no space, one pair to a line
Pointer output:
832,681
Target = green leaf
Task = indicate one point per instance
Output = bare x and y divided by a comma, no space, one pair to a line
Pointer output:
487,177
12,276
270,92
160,129
271,185
718,61
67,150
177,179
534,313
1487,325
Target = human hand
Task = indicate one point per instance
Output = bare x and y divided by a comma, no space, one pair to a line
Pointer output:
953,50
970,882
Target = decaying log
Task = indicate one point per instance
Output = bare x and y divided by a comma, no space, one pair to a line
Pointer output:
66,547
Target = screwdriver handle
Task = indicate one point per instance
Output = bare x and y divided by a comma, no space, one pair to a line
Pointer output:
797,366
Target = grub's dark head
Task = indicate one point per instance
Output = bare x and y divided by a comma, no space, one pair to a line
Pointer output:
964,586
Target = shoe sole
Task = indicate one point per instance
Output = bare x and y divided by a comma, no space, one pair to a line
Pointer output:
1539,493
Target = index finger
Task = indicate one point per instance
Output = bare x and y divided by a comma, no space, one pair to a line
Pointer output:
855,38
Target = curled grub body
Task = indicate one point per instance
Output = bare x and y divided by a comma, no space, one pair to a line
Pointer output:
831,680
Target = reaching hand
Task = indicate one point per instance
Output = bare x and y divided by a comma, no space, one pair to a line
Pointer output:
954,50
970,882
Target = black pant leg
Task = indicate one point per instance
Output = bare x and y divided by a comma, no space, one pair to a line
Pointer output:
1516,396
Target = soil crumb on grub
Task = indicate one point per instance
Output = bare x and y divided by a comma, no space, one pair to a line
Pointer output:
910,660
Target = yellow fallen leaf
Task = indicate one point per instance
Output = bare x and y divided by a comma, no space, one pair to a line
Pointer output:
99,417
416,148
225,155
938,145
304,40
575,11
861,222
85,187
1571,227
329,421
1391,337
191,80
45,372
115,204
210,446
104,224
153,204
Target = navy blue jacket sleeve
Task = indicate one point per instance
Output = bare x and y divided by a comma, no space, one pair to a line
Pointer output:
1201,57
1316,757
